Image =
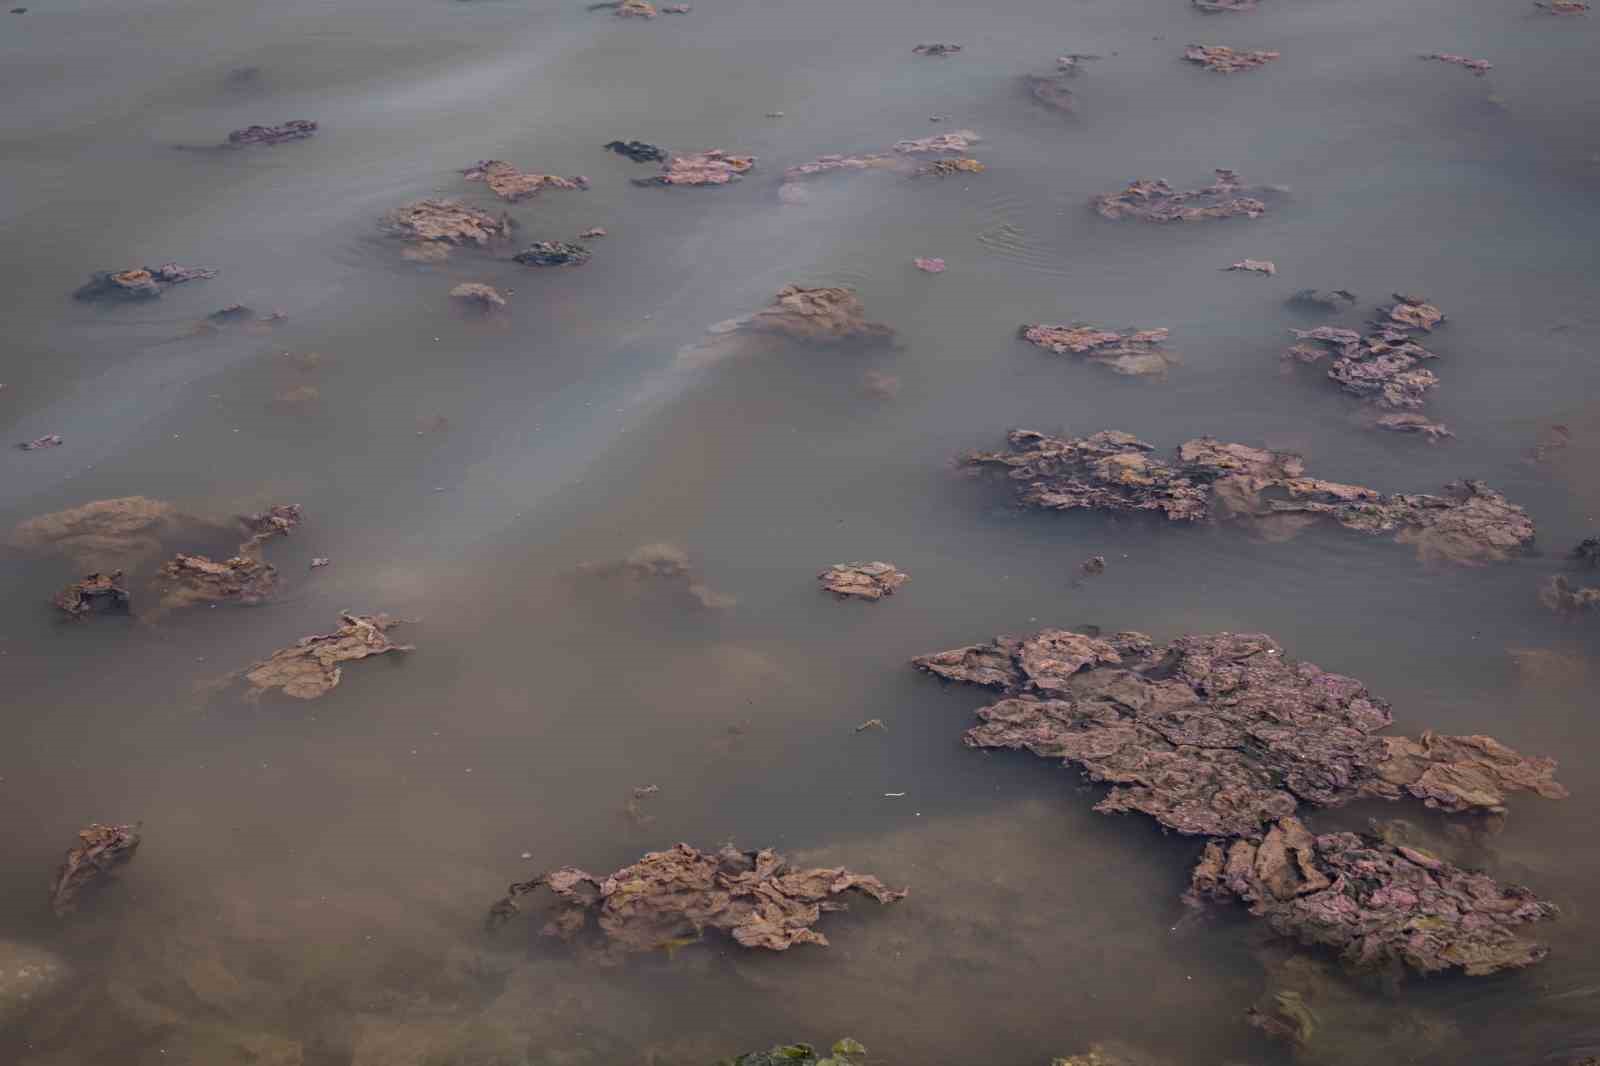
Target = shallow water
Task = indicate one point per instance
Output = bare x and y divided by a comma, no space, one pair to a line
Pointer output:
313,875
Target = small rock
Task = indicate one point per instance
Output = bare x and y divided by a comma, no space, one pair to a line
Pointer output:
1258,266
931,266
639,151
49,440
937,49
484,296
1095,564
294,130
1479,67
553,253
1225,60
866,581
320,561
591,233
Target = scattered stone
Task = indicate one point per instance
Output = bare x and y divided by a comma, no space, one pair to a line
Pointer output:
294,130
1136,352
1225,60
671,898
1212,7
1561,596
943,168
553,253
1220,734
1554,439
1414,423
958,141
310,667
484,296
1256,266
140,283
1479,67
931,266
49,440
28,974
96,591
711,167
846,1052
650,563
1375,903
937,49
1155,201
245,577
447,222
1093,566
1381,366
509,183
320,561
103,534
1323,299
1118,473
639,151
1553,7
99,851
591,233
865,581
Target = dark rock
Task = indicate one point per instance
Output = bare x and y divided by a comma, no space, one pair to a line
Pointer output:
937,49
639,151
553,253
846,1052
96,591
141,283
1323,299
293,130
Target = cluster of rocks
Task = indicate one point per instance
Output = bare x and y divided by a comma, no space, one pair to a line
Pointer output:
139,283
294,130
1383,365
670,899
1140,352
896,159
1267,490
1225,60
1223,736
710,167
1153,200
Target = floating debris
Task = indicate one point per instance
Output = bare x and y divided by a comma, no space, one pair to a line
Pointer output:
1323,299
475,292
553,253
1374,902
1479,67
1155,201
245,577
1225,60
447,222
310,667
509,183
846,1052
1118,473
1135,353
1560,595
711,167
294,130
49,440
1409,422
930,266
100,850
937,49
141,283
1220,734
1255,266
674,897
82,598
1382,365
864,581
639,151
650,563
627,8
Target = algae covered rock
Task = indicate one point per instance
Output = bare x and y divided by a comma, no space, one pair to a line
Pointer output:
846,1052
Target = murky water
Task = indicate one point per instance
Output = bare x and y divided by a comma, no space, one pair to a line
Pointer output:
313,877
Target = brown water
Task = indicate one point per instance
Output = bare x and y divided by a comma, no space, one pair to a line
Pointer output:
313,876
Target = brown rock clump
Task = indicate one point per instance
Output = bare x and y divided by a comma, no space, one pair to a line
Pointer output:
1225,60
311,666
447,222
1155,201
1139,353
509,183
100,850
863,581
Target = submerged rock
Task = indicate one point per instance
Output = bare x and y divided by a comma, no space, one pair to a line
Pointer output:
237,315
1562,7
49,440
1479,67
99,851
1110,1054
95,592
1322,299
310,667
817,316
1382,365
1220,734
671,898
1118,473
937,49
1373,902
509,183
956,141
845,1052
864,581
1410,422
710,167
1052,90
478,294
659,562
28,975
244,577
1135,352
104,533
140,283
553,253
1560,595
294,130
1212,7
1225,60
1156,201
447,222
639,151
1587,552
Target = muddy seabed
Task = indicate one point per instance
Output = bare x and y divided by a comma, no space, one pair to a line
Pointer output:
313,875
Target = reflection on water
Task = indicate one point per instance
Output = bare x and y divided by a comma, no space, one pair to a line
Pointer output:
314,874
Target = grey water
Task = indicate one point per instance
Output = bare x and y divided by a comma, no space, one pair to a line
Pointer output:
313,877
